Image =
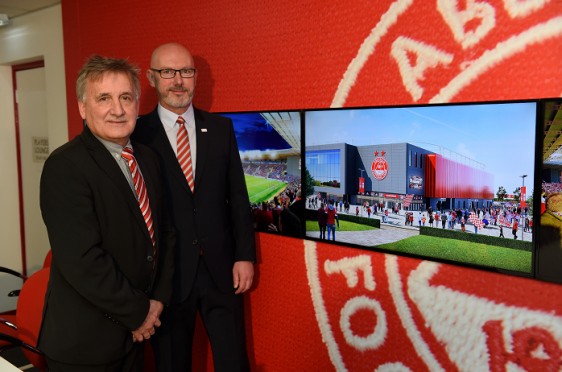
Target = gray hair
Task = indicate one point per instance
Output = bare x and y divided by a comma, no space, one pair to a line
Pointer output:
97,66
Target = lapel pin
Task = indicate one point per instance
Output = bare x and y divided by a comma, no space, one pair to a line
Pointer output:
203,129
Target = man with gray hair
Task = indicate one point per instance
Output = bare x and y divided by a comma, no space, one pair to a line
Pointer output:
112,241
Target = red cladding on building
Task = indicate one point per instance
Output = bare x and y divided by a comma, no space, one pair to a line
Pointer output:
446,178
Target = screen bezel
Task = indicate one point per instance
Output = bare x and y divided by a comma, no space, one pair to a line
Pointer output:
537,172
302,173
538,184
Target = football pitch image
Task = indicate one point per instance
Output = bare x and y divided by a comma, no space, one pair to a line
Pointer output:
260,189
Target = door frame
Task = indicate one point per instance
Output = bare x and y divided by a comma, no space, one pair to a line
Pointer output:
16,68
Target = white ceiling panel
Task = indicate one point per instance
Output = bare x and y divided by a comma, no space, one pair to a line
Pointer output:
14,8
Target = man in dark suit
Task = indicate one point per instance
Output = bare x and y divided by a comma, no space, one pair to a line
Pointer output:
207,195
105,208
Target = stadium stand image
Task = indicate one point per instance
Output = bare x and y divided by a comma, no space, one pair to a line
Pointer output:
270,150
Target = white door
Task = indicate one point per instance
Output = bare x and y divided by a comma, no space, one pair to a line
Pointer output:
32,114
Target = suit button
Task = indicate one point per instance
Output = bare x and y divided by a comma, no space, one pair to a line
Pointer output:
196,210
195,242
149,258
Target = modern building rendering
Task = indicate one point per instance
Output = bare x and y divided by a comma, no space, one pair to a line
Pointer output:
396,172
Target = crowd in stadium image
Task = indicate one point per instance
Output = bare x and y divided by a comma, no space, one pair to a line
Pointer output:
282,213
268,170
488,221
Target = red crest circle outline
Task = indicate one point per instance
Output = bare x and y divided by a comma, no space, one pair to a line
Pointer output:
379,168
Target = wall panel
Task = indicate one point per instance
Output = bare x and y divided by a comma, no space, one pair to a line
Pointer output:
274,55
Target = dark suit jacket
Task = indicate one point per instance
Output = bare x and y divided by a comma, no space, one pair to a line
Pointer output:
216,218
101,275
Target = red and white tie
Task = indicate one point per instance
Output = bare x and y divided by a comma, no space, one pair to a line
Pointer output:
184,153
140,189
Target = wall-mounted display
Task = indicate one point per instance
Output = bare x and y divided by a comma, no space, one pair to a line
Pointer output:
431,180
270,149
416,182
549,246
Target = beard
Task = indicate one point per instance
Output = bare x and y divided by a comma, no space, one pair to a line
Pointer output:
177,102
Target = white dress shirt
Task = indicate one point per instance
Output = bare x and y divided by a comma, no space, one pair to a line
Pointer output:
116,150
168,118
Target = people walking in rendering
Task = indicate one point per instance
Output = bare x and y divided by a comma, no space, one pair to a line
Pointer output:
322,221
332,217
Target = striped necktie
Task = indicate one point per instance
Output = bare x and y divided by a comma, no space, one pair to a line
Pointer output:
184,153
142,194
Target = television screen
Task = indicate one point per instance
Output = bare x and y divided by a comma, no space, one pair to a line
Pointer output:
549,245
447,182
416,182
269,144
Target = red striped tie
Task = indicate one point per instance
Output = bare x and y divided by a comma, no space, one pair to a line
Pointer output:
184,153
140,189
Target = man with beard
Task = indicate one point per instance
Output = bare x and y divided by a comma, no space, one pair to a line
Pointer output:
208,200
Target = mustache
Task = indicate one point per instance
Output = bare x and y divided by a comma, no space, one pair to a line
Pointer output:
185,89
118,118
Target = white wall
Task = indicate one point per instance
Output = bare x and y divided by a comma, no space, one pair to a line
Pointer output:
31,37
10,252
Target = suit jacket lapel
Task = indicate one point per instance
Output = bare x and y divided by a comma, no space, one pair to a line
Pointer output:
202,138
106,162
161,144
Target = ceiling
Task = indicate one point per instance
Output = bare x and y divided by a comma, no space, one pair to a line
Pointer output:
14,8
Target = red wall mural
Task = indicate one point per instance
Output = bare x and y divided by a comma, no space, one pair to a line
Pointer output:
321,307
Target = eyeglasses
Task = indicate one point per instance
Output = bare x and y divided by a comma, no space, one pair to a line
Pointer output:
168,73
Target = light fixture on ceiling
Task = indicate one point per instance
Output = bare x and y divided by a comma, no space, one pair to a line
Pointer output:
4,20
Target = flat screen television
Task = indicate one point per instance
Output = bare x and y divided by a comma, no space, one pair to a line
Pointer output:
269,143
549,241
445,182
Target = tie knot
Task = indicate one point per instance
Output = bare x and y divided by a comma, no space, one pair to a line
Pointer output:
127,153
180,120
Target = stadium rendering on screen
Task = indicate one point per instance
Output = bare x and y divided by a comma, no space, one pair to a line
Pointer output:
270,149
448,182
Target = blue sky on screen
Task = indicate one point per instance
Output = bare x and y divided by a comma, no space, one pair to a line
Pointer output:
254,133
501,136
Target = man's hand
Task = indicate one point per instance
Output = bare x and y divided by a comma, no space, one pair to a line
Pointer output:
152,320
243,274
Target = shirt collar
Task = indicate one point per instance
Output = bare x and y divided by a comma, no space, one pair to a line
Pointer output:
169,118
112,147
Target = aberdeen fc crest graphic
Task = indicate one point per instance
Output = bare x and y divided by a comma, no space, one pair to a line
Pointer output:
465,50
383,313
379,168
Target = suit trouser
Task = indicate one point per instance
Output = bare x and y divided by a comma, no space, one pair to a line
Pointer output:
223,317
133,361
